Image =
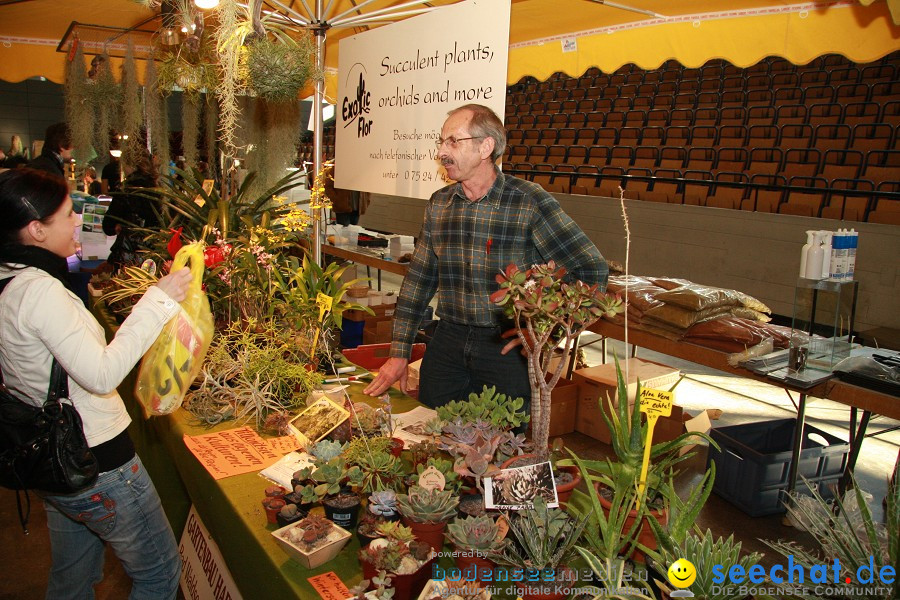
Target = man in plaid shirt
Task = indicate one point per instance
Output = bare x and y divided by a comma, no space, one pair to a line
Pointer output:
472,230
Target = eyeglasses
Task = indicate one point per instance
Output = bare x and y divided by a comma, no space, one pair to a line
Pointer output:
454,142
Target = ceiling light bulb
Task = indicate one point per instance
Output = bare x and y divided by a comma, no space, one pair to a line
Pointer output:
206,3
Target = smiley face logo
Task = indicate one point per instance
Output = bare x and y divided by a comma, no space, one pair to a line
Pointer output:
682,573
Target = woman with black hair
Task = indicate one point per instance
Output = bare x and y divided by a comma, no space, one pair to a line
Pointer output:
41,318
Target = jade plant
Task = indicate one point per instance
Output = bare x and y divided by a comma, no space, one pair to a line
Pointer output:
428,506
549,313
500,411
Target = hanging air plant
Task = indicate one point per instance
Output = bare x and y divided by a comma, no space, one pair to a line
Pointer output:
274,128
190,130
105,96
157,116
278,69
79,115
132,110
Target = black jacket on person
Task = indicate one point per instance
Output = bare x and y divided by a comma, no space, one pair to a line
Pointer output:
49,162
129,209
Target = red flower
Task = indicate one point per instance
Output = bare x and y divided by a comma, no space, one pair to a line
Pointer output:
213,255
175,243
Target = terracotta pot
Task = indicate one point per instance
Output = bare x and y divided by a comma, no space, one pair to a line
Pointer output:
396,447
406,587
645,533
272,506
432,533
563,492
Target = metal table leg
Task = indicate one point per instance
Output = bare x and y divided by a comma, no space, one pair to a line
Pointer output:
856,440
798,443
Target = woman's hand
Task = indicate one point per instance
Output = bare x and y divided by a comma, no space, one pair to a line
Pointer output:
176,284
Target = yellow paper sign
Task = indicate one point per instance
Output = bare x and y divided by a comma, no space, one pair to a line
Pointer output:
324,301
653,403
656,402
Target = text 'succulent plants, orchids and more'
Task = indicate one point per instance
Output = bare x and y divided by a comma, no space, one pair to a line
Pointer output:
549,313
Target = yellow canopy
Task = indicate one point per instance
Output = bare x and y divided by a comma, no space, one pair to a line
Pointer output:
546,35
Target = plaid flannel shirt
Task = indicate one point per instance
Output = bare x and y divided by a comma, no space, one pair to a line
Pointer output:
463,245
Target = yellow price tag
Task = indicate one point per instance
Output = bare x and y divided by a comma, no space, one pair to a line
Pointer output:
656,402
324,301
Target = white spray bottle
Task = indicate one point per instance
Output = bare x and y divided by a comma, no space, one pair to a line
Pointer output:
814,257
810,239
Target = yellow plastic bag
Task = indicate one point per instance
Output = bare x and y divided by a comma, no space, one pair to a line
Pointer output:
174,360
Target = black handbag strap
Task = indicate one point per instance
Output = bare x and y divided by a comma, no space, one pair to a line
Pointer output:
59,379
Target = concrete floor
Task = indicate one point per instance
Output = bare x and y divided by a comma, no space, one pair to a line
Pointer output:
26,558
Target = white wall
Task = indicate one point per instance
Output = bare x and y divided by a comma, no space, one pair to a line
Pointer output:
756,253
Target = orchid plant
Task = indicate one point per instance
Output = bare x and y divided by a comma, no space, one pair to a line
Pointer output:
549,314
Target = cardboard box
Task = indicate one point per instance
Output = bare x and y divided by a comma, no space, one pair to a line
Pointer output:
595,384
382,310
563,407
378,332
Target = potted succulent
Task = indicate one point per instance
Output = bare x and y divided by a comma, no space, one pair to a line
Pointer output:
475,538
313,541
549,314
629,435
332,482
427,512
380,471
542,542
289,513
398,554
455,589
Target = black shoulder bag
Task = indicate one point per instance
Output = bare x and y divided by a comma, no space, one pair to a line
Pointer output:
43,448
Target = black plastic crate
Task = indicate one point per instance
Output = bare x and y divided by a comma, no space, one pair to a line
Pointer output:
754,461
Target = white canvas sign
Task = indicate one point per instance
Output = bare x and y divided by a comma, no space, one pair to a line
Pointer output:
204,575
397,83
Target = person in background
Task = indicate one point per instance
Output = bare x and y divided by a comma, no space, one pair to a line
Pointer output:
16,155
472,230
56,152
131,208
111,176
92,187
41,318
347,205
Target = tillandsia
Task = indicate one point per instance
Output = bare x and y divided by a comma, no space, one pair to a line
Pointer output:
548,313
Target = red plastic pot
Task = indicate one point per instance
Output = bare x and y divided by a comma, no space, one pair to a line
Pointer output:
406,587
645,533
431,533
474,568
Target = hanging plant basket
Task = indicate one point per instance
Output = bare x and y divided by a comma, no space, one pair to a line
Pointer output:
277,70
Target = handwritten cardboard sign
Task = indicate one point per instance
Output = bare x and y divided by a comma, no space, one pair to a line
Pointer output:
329,586
656,402
231,452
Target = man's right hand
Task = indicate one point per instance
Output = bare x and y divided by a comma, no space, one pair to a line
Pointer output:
392,370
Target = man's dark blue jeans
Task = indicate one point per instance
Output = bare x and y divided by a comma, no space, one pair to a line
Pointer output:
461,359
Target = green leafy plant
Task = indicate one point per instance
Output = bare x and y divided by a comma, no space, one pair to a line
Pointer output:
428,506
628,432
397,552
327,479
549,313
544,538
380,471
452,480
478,534
845,532
502,412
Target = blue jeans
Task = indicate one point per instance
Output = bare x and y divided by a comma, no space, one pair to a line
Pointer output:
462,359
123,510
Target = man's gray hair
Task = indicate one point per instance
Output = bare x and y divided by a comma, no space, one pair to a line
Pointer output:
485,123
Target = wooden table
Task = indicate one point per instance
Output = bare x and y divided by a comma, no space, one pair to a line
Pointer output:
857,398
370,258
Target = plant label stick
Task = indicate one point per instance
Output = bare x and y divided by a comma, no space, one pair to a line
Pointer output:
324,301
653,404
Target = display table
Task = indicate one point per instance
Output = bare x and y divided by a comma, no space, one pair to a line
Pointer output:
857,398
231,507
369,258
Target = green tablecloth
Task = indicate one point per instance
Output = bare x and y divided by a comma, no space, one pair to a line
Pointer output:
230,508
